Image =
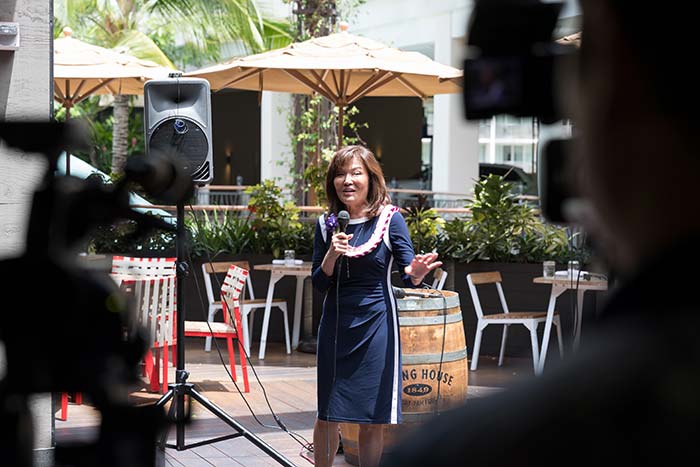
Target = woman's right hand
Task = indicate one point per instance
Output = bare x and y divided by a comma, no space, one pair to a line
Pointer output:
339,246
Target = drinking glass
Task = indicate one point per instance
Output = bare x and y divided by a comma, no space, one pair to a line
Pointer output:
548,268
289,257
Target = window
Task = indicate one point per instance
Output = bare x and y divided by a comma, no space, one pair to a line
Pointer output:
509,140
483,153
520,155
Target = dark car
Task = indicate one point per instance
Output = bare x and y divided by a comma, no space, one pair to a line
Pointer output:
523,183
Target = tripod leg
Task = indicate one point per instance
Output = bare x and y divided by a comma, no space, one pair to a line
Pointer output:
240,428
166,397
161,403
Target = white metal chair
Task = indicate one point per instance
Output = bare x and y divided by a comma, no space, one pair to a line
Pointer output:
155,307
125,265
231,290
154,289
127,268
528,319
439,278
248,305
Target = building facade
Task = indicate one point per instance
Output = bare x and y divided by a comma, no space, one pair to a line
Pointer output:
449,148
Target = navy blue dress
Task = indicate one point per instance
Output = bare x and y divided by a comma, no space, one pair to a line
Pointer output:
359,349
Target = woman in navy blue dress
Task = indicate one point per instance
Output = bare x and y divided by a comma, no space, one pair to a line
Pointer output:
359,354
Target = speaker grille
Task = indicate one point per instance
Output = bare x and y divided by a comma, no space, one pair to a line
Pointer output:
190,146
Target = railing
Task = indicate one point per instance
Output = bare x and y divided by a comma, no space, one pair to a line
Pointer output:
234,195
232,198
224,195
308,213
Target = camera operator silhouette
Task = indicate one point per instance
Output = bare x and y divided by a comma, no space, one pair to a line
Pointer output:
630,395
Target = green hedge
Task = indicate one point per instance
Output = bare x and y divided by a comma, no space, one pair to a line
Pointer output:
499,229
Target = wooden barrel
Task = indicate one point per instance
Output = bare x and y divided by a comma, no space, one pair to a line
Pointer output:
434,366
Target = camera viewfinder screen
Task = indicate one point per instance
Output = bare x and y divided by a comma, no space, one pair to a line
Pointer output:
492,85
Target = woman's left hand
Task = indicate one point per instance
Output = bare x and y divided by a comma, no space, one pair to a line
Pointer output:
421,266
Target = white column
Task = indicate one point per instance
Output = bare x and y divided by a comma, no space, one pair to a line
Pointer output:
455,141
275,144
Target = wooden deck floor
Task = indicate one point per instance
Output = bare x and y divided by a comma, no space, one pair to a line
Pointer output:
285,384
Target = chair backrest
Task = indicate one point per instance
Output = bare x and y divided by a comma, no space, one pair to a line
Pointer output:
155,306
481,278
232,287
155,267
220,267
439,278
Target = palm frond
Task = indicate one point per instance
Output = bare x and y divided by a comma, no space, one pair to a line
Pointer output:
140,45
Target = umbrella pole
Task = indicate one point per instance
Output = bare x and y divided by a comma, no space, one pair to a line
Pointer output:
341,117
67,153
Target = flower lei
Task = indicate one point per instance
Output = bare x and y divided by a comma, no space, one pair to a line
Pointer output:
377,236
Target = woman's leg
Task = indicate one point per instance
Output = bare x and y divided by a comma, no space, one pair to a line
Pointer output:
370,444
325,443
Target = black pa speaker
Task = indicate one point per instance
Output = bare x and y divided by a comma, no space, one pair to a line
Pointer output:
177,121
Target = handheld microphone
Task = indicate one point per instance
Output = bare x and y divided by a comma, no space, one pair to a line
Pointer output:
343,220
403,293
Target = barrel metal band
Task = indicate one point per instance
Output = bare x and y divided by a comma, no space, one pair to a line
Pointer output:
428,320
421,359
409,304
417,417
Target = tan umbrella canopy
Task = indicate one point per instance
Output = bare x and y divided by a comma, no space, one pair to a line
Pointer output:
341,67
81,70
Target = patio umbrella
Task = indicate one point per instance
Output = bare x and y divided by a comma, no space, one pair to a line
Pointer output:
81,70
341,67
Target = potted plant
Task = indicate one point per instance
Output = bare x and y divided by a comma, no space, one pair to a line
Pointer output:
276,222
504,235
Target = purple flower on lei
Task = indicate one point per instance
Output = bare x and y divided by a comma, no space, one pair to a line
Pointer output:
331,223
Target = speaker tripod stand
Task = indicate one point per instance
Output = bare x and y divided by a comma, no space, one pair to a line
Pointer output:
181,388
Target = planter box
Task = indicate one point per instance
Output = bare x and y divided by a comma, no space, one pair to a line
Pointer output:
521,295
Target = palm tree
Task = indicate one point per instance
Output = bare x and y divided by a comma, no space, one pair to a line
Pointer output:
192,32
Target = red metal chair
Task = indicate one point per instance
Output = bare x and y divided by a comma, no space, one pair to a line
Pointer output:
230,299
77,399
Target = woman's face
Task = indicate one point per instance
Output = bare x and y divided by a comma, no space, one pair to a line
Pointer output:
352,183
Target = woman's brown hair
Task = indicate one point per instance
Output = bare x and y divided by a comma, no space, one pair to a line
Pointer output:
377,196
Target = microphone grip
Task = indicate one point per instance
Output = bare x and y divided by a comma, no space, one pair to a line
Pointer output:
402,293
398,292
